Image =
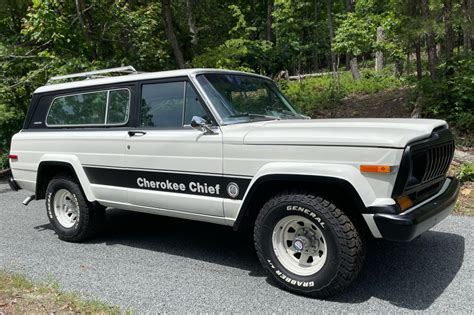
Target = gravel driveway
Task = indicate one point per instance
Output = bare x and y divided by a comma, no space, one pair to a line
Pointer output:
148,263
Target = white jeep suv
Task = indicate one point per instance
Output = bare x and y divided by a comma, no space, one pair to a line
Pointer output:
227,147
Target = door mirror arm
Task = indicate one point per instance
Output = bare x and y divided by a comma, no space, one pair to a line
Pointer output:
201,124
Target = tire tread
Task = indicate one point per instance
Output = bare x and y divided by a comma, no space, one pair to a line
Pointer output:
352,251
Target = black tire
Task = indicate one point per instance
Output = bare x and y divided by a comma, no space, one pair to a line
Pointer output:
344,245
91,215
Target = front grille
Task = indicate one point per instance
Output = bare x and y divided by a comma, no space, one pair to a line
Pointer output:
424,166
438,160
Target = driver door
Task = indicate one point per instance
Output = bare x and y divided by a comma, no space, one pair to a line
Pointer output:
174,167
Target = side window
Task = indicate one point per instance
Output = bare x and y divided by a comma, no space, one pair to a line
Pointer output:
162,105
110,107
193,106
118,107
79,109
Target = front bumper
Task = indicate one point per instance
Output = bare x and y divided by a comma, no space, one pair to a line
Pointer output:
411,223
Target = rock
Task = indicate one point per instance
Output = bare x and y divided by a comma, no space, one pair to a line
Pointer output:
461,156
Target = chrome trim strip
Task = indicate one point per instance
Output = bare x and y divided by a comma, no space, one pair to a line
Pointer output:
369,219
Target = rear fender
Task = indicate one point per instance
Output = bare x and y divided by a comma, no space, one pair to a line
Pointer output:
76,166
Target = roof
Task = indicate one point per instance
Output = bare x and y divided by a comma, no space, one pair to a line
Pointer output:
135,77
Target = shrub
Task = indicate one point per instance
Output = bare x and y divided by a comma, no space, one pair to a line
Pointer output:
451,96
466,173
312,94
4,161
318,93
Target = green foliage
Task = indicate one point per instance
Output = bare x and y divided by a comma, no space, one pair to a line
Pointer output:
355,34
4,160
451,96
466,173
313,94
302,38
239,53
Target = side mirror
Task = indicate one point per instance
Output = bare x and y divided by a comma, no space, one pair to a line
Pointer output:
201,124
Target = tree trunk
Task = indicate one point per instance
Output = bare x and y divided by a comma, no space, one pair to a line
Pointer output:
315,36
191,23
467,26
331,32
448,29
408,66
170,34
430,40
379,54
85,20
350,5
398,68
419,68
349,8
355,69
269,31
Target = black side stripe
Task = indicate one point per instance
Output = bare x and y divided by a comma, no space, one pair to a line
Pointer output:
185,183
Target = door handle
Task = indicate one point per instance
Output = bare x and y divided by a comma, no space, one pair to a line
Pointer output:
132,133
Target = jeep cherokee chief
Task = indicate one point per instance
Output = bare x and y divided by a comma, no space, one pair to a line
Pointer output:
227,147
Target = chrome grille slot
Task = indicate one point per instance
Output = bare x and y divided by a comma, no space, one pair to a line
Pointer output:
438,160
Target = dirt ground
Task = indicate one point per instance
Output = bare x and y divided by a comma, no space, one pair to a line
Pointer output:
385,104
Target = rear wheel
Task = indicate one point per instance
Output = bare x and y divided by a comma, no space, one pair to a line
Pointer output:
73,218
307,244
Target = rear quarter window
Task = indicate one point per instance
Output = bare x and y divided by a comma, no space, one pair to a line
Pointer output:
108,107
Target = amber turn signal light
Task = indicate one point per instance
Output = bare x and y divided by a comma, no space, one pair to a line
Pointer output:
376,168
404,202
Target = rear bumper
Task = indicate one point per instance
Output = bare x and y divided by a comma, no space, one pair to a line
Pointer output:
13,185
408,225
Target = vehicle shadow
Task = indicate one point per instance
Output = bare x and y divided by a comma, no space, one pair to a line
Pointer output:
409,275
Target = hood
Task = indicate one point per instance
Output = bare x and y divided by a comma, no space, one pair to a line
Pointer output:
380,132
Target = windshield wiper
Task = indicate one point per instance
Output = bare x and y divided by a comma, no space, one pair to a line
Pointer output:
250,115
289,113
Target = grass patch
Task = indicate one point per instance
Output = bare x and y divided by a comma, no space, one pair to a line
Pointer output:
18,295
465,173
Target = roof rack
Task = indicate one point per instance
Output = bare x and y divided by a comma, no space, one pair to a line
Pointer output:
93,74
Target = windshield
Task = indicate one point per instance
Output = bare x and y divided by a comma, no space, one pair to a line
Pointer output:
244,98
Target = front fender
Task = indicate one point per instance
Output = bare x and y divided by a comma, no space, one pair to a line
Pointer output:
347,177
347,173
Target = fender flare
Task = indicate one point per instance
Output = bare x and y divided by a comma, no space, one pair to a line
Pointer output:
347,177
73,163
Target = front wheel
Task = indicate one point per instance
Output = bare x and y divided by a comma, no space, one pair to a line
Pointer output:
307,244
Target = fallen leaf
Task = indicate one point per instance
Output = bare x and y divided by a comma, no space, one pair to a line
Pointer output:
465,192
64,307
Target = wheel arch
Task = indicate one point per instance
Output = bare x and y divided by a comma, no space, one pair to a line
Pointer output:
49,168
328,187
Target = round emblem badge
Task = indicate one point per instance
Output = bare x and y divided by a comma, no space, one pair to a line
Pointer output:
233,189
298,245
